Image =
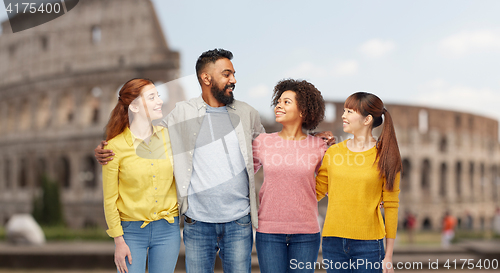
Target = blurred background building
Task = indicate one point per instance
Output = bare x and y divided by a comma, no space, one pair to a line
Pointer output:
60,81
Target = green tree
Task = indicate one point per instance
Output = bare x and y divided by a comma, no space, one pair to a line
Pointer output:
47,209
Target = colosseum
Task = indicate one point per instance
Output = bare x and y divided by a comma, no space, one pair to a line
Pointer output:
60,81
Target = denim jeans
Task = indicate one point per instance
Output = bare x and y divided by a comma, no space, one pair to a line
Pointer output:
281,253
159,242
349,255
233,241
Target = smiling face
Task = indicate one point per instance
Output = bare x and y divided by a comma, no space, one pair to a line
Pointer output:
150,100
223,80
287,109
353,122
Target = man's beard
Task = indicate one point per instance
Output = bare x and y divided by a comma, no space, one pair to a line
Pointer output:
220,95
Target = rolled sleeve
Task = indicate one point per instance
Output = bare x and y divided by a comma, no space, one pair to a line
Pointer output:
110,195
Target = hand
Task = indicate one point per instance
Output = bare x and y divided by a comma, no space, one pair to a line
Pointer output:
103,156
121,251
387,262
327,136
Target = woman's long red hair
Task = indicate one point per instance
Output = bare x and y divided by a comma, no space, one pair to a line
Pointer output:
389,158
119,120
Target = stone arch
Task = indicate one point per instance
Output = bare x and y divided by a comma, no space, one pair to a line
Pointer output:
66,109
63,172
91,109
8,174
23,172
43,115
88,175
443,144
425,175
405,175
482,173
25,116
471,178
11,117
458,178
443,174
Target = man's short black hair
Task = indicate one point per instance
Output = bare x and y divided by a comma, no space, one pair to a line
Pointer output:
211,56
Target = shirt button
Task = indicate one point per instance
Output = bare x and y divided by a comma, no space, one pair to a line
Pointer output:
155,213
190,153
189,170
167,213
155,188
194,133
149,152
154,175
183,187
156,201
151,164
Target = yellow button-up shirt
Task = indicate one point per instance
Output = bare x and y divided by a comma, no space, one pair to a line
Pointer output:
138,184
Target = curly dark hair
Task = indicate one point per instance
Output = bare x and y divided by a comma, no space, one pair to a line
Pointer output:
211,56
309,100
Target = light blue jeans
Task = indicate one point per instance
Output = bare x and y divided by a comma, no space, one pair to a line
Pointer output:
233,241
349,255
281,253
158,242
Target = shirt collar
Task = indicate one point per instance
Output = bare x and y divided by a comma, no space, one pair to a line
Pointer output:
131,138
201,103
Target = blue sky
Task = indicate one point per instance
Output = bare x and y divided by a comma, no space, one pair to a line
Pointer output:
443,54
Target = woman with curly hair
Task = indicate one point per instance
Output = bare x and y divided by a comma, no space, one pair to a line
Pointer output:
140,200
288,231
358,174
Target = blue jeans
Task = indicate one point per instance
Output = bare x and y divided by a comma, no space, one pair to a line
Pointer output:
349,255
159,241
233,241
281,253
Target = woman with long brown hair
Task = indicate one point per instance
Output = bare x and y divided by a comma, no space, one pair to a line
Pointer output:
140,201
358,174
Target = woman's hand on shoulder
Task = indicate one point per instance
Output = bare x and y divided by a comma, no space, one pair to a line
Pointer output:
327,137
103,156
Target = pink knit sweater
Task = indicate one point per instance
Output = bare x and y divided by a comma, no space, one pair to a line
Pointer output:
288,195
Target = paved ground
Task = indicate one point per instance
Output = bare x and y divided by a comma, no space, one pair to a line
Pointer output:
95,255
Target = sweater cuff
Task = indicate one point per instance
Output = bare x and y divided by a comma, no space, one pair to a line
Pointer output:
391,221
115,232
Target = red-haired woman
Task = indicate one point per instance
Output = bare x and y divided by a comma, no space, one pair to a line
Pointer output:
358,174
140,201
